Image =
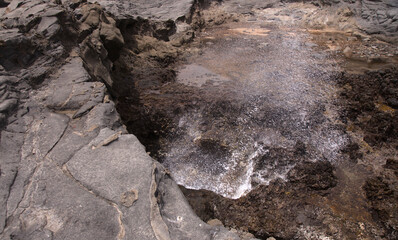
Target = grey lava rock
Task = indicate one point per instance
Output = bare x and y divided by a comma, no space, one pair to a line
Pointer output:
393,102
8,105
162,10
69,170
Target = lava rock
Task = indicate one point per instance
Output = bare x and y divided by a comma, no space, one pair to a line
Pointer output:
376,188
391,164
393,102
162,11
112,38
8,105
314,175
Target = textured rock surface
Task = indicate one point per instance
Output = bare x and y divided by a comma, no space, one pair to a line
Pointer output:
69,170
372,17
68,167
160,10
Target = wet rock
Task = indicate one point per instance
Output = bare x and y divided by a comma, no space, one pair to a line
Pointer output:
353,150
69,170
265,210
314,176
213,147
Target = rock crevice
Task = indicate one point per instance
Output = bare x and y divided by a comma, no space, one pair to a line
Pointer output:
69,169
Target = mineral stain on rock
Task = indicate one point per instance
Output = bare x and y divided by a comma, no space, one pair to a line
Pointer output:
128,198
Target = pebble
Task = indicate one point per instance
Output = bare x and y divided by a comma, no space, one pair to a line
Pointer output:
214,222
347,52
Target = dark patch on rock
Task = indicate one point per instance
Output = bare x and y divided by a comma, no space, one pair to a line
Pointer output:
391,164
269,210
300,148
382,195
213,147
3,3
363,108
314,175
393,102
353,151
376,188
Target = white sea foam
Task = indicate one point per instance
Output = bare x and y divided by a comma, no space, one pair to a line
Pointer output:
281,92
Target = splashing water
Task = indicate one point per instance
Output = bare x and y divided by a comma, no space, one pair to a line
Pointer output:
261,97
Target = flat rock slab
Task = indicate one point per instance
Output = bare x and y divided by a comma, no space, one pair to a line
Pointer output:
116,167
57,208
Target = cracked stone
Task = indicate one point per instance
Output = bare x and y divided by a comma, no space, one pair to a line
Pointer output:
56,204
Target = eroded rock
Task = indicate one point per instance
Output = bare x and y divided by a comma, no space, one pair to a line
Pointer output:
69,170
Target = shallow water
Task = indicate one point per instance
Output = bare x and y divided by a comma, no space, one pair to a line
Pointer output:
258,93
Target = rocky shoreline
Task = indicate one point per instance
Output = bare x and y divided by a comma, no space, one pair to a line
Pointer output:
72,75
69,170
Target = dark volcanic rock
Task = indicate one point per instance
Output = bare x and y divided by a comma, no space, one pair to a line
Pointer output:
314,176
376,188
382,194
271,210
392,164
69,170
363,99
